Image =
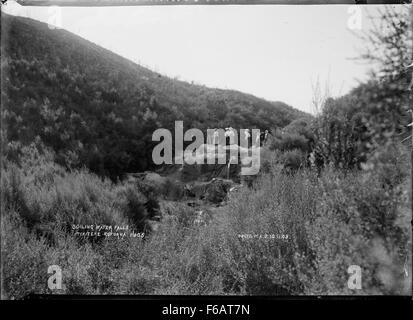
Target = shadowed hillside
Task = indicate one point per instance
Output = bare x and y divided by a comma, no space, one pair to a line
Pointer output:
97,109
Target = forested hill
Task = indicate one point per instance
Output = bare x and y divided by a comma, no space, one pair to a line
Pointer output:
97,109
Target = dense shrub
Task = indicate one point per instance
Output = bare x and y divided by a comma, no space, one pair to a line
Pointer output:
289,141
358,222
135,209
75,198
294,160
26,258
312,227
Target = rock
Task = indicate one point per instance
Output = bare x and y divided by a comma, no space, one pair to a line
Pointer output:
204,171
152,183
214,191
149,177
217,190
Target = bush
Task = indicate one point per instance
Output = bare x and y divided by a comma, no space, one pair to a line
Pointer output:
26,258
74,198
313,226
293,160
135,210
334,220
288,141
270,210
358,223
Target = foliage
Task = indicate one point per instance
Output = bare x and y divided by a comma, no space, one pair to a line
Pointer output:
99,110
312,227
293,229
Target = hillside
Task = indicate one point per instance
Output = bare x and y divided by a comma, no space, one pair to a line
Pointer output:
97,109
328,214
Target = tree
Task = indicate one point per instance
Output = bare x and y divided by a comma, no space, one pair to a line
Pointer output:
388,96
351,129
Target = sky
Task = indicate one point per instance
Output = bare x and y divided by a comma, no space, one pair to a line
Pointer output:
275,52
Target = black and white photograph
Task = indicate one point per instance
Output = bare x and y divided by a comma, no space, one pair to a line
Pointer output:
206,148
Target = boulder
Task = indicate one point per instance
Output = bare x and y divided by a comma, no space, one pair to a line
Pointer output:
214,191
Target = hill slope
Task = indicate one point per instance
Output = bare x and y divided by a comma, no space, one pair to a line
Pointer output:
98,109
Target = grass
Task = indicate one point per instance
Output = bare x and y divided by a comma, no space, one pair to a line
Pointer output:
333,220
